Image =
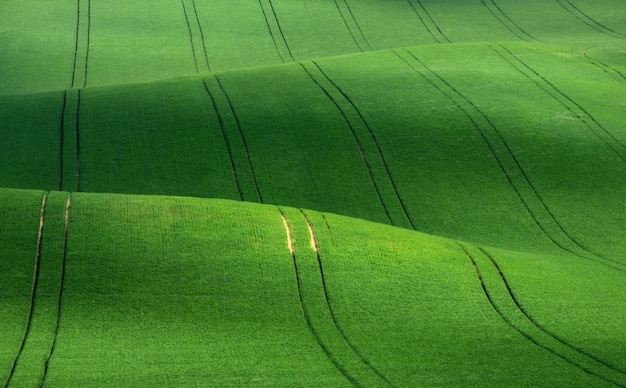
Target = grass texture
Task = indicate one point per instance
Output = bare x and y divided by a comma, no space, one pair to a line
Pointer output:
314,193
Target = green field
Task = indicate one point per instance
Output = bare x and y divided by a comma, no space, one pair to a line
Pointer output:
313,193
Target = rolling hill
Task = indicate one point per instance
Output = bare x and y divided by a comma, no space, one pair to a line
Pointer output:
318,193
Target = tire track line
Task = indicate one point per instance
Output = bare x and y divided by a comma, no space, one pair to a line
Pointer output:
575,108
283,52
33,293
305,311
243,138
226,141
428,22
87,37
374,140
359,31
193,49
508,154
206,55
588,20
529,317
603,66
61,288
506,21
315,246
522,332
356,138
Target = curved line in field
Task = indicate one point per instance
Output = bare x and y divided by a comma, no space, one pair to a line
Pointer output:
206,56
243,138
538,325
374,139
33,293
521,332
499,161
76,45
315,247
269,29
193,50
588,20
603,66
223,131
345,22
280,30
502,17
61,288
424,23
305,311
88,42
575,104
358,142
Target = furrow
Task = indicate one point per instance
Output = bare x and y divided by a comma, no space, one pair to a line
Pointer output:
357,140
518,322
508,164
506,20
428,22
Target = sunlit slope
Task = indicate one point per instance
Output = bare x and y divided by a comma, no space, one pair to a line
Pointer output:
75,44
236,293
520,146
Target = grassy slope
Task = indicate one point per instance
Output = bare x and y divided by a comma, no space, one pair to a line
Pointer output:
490,140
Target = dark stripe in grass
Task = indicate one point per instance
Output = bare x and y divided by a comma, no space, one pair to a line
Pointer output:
538,325
193,50
305,311
352,33
510,58
356,138
206,56
243,138
374,139
522,332
280,29
228,146
588,20
506,21
442,37
33,293
76,44
60,297
604,67
332,311
500,163
269,29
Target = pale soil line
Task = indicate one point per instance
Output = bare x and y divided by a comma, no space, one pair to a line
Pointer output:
288,230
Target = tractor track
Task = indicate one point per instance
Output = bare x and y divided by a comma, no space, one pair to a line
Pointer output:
358,27
278,29
33,293
305,311
206,55
226,141
87,38
193,50
61,288
434,30
315,246
588,20
553,335
374,140
508,175
603,66
506,21
356,138
243,138
522,332
582,114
